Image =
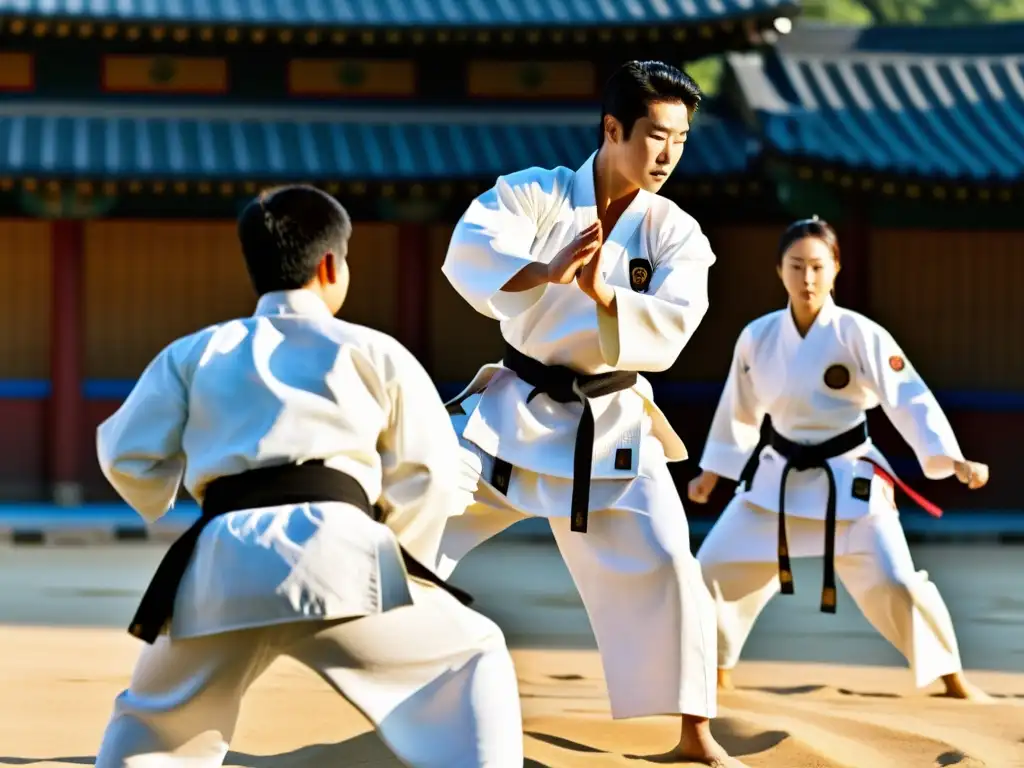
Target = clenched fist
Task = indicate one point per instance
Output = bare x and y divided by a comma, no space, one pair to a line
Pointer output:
700,487
971,473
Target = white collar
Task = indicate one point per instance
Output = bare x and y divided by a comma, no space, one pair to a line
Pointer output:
297,302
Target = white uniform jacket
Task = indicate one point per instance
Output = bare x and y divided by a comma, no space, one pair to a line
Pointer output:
815,388
655,258
290,384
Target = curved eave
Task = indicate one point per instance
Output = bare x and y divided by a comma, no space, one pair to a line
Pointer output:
854,180
739,186
731,30
196,148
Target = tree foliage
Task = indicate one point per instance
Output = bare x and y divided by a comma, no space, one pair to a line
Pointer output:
708,71
913,11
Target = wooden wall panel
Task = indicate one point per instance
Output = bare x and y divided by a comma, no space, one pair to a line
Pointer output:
742,285
23,450
149,282
462,339
24,299
953,301
373,261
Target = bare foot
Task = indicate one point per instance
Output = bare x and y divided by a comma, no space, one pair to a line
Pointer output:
725,680
697,745
958,687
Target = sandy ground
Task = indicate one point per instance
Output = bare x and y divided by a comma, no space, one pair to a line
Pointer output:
814,692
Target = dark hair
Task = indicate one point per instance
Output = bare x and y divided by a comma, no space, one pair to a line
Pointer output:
813,227
637,84
285,233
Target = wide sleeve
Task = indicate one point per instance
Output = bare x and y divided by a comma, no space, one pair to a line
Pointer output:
736,427
908,402
649,330
492,242
427,476
139,447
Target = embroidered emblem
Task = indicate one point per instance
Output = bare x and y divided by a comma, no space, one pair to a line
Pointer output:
624,458
639,275
862,488
897,363
837,376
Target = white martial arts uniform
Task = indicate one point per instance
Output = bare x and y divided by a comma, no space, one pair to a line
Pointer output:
649,608
322,582
815,388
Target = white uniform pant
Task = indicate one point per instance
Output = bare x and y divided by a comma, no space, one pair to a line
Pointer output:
740,563
435,678
652,615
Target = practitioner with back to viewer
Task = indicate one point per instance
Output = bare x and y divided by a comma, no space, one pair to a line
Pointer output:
325,466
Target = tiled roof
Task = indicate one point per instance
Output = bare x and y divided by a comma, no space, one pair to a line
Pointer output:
397,14
952,109
134,142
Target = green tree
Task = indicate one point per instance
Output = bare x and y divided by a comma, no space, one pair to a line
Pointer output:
913,11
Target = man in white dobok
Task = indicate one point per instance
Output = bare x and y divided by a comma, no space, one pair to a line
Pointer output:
325,465
595,277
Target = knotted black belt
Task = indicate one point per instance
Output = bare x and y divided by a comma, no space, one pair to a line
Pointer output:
801,458
306,483
564,385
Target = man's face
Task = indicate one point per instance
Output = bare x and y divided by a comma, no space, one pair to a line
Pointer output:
655,145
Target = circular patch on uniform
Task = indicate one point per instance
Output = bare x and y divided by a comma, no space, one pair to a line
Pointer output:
639,276
837,376
897,363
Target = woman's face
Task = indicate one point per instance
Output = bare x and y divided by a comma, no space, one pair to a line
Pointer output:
808,271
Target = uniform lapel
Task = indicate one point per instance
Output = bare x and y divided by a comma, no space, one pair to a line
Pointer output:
584,202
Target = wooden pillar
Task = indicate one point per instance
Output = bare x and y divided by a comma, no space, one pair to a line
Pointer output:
853,288
413,288
66,362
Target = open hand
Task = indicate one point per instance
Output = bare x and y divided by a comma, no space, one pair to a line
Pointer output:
569,261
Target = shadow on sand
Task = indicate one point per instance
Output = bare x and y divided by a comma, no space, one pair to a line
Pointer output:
365,749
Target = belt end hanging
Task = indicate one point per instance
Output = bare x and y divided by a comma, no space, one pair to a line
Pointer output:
785,575
579,521
146,634
828,600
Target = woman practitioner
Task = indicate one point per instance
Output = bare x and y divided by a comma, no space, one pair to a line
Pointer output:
790,427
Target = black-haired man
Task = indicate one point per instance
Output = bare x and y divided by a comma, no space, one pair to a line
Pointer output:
594,277
325,465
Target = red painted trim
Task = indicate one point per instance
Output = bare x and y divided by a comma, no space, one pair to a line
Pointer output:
31,84
66,352
199,90
413,295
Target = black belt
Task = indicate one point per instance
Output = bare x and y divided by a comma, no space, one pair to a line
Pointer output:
306,483
564,385
800,458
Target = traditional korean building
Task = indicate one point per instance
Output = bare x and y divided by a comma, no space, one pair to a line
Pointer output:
131,132
911,141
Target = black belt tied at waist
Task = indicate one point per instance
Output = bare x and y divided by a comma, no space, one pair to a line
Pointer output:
307,483
801,458
564,385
